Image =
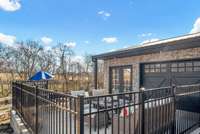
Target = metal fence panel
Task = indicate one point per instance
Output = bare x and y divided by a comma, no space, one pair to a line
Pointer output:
164,110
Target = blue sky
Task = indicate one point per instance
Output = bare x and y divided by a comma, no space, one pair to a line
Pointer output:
96,26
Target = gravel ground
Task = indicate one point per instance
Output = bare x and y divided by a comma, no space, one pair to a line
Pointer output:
6,129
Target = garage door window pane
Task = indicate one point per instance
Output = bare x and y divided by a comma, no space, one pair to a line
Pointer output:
196,69
152,68
163,70
181,69
196,66
181,64
196,63
189,67
157,65
174,65
174,69
157,68
146,68
163,67
188,64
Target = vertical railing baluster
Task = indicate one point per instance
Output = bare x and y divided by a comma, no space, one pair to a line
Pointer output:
74,103
118,116
47,83
21,103
70,115
124,114
36,110
13,95
112,114
105,116
173,130
90,117
98,108
80,115
142,112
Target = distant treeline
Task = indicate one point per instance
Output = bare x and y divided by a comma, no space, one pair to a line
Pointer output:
20,62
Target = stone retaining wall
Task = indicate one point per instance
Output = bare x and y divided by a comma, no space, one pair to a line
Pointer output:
17,124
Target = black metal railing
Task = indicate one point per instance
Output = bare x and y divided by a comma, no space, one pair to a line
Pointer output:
167,110
187,108
44,111
128,113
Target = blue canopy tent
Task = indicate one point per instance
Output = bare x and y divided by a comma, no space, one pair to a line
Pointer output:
41,75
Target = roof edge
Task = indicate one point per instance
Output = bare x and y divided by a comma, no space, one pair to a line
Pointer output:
160,43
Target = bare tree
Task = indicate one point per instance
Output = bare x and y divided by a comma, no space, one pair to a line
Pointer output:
26,57
6,59
64,55
47,61
88,68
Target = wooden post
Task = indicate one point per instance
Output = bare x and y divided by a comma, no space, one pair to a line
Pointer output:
80,115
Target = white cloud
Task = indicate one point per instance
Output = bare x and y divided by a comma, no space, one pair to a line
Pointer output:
112,50
70,44
8,40
104,14
196,26
78,58
46,40
110,40
47,48
10,5
145,34
149,41
87,42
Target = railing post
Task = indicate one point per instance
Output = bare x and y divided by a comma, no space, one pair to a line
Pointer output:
142,99
173,130
95,61
14,100
199,97
36,109
80,115
21,99
47,83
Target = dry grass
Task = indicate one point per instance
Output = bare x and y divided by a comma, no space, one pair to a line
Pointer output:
5,107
